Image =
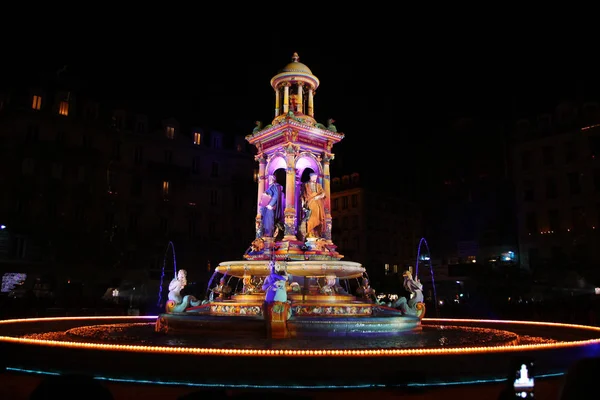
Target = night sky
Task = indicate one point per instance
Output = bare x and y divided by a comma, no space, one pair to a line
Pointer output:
387,90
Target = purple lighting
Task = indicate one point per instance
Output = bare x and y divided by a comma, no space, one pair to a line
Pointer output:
162,276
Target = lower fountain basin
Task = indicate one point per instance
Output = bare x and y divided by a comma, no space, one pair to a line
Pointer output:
443,352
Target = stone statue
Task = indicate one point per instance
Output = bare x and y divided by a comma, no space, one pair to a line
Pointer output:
176,302
329,288
366,291
274,286
414,305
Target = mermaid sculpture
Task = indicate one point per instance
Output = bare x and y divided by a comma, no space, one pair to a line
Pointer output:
176,302
415,305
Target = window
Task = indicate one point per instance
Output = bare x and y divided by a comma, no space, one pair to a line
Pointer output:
140,127
60,137
345,203
354,200
574,183
335,205
163,225
136,186
214,171
197,138
578,218
526,160
195,163
528,190
37,102
165,188
116,153
138,155
168,157
553,220
28,166
548,155
531,222
56,170
170,131
63,108
118,122
33,133
133,222
216,142
551,188
213,198
570,151
192,228
81,174
594,142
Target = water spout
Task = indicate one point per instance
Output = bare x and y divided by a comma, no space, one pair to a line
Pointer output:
421,242
162,275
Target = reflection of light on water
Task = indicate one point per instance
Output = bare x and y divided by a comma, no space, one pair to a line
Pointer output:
434,336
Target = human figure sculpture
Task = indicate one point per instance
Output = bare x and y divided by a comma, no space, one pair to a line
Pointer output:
329,288
273,212
222,290
177,302
366,291
415,288
274,285
313,196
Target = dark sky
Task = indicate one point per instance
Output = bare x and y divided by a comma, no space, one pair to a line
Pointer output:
380,84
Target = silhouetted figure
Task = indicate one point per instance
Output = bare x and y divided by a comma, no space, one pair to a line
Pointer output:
581,380
71,387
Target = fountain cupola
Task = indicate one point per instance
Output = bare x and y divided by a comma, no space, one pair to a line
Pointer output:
295,87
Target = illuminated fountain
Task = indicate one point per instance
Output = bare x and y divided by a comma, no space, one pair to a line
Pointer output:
294,154
322,334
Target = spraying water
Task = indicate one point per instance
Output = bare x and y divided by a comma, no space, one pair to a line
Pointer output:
421,242
162,275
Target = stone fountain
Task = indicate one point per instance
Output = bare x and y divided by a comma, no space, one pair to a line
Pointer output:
293,234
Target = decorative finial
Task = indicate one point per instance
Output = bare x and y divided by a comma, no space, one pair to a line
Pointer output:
295,57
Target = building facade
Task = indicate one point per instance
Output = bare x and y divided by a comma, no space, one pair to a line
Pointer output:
91,190
557,179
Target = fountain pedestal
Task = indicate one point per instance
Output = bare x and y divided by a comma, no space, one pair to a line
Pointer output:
276,316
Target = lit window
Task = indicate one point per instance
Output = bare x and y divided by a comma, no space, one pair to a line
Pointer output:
197,138
165,188
170,132
64,108
37,102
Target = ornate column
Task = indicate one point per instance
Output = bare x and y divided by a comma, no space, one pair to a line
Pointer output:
277,102
290,191
327,157
311,109
300,100
286,97
262,164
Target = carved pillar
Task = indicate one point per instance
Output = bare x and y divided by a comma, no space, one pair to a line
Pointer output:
286,97
300,100
311,109
290,191
262,164
327,157
277,100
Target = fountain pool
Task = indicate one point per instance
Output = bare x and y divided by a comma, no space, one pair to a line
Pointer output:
444,351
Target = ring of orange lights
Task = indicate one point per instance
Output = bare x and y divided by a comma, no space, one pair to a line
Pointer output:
383,366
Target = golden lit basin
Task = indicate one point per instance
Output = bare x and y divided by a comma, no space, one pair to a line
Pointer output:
340,269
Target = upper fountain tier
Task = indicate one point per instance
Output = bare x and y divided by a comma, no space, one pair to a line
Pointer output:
292,148
313,269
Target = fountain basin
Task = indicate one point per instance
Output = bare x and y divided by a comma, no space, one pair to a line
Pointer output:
340,269
332,362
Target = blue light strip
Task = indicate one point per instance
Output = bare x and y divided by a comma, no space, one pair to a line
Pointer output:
255,386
